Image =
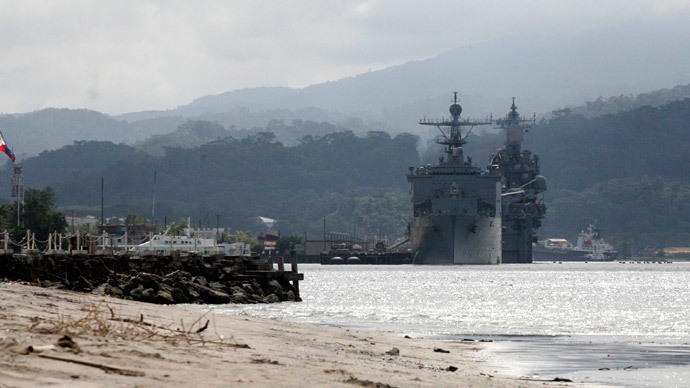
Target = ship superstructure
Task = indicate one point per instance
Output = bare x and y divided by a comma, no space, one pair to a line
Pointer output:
590,247
522,209
455,215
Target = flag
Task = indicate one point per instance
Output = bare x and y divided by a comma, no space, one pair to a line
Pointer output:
4,148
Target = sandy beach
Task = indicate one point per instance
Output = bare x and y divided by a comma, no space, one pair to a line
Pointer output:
113,342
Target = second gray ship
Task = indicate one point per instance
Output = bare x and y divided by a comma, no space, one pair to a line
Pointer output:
521,204
455,215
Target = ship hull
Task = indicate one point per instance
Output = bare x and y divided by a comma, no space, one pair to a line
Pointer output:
543,254
456,239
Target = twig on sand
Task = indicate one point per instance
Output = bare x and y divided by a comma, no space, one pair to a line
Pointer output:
106,368
96,322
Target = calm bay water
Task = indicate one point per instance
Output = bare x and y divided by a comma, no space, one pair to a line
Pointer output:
602,313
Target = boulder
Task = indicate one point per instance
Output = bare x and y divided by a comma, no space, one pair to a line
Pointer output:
164,297
218,297
271,298
291,296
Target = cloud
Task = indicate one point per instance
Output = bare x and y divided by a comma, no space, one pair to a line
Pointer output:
136,55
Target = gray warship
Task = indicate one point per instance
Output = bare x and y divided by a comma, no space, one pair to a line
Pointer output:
522,209
455,215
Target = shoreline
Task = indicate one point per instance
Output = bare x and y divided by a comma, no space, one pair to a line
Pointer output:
116,342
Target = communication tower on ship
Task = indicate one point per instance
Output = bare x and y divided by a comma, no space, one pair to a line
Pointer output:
522,210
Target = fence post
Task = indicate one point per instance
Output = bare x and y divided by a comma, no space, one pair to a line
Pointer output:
50,241
6,240
28,239
281,264
293,262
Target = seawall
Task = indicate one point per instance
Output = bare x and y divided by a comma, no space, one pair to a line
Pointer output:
158,279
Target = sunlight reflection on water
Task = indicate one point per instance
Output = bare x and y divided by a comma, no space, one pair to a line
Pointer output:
535,299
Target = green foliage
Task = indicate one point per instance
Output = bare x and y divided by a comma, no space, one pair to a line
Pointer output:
190,134
577,153
287,243
242,179
646,211
38,215
245,237
177,228
71,162
624,248
134,219
603,106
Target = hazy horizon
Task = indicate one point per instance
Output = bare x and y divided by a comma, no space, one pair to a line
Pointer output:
135,56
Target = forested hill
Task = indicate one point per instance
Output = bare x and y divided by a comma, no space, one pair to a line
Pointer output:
577,152
71,162
627,170
351,180
603,106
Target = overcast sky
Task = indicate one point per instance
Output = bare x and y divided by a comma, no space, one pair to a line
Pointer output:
122,56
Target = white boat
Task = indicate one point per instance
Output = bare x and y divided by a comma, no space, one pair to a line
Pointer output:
162,244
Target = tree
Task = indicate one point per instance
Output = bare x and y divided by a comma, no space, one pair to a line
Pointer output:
134,219
177,228
244,237
287,243
38,215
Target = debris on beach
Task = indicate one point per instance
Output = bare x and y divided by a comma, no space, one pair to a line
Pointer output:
367,383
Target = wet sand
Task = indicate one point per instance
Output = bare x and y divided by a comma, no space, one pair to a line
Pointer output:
115,342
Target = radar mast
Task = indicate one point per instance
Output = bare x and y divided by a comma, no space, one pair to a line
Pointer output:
451,128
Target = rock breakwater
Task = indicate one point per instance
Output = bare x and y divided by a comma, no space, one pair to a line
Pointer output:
158,279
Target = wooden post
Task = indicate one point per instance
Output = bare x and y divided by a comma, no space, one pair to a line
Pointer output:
33,241
6,240
50,241
281,264
293,262
270,259
126,248
28,239
60,242
78,242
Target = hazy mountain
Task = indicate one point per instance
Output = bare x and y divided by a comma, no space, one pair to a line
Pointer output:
191,134
31,133
545,72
